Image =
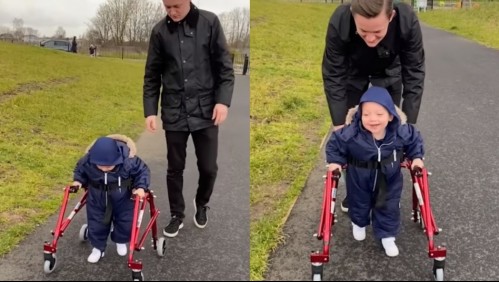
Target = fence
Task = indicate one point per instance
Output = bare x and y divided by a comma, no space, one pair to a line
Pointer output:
240,61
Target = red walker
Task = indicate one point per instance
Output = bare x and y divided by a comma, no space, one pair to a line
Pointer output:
421,210
136,241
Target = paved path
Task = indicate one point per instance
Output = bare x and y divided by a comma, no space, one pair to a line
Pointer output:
459,121
218,252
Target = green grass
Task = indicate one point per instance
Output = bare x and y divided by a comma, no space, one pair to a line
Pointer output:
480,24
289,115
52,105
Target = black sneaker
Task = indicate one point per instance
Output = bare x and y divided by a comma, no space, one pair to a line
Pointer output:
344,205
173,227
200,217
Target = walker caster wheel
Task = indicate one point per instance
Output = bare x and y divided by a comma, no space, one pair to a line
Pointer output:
137,276
438,270
83,233
317,271
161,246
438,274
49,263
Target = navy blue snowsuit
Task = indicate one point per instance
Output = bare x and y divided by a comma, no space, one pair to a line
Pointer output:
109,197
374,177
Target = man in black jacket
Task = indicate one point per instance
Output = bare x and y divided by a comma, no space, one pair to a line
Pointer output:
373,42
189,58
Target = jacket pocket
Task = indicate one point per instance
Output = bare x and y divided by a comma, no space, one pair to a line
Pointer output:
207,103
171,107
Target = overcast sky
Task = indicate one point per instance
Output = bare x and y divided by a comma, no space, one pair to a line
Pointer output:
74,15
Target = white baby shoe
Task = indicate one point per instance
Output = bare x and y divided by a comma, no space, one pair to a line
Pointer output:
121,249
359,233
391,249
95,256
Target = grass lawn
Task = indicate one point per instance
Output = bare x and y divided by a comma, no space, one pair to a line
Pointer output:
52,105
480,23
289,115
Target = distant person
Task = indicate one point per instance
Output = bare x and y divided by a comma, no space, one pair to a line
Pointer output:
92,50
74,45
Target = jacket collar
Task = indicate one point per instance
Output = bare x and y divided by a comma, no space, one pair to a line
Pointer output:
191,19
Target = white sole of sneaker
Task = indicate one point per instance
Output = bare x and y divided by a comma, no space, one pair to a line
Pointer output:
194,217
170,235
343,209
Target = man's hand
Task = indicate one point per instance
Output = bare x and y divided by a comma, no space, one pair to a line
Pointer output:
76,183
220,113
151,123
338,127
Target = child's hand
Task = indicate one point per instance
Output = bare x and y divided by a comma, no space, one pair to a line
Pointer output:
76,183
417,163
332,167
139,192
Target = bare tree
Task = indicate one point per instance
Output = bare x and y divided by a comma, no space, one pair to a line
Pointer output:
4,29
236,25
18,28
60,33
31,31
122,21
100,27
120,12
146,15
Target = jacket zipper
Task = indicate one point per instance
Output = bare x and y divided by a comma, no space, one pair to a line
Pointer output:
379,160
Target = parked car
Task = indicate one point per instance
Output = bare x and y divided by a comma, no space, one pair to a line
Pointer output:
57,44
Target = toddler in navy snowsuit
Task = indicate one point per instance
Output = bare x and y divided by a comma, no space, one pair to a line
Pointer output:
372,147
109,171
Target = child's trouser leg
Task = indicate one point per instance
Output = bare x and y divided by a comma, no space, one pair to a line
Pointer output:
122,222
386,220
359,201
97,231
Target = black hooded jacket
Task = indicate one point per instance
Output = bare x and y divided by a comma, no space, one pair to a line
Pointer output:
190,60
400,55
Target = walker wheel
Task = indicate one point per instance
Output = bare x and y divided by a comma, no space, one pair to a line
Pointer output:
83,233
438,275
50,263
137,276
161,246
317,271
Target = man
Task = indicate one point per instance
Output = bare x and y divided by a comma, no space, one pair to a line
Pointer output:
373,42
189,58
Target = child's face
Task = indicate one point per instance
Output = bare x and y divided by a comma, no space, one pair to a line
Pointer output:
375,118
105,168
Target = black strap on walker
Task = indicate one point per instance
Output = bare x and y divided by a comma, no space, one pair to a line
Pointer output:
380,187
125,184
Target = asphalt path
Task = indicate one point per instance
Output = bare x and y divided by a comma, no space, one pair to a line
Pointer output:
218,252
460,125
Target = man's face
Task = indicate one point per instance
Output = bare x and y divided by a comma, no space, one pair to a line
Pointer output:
177,9
373,30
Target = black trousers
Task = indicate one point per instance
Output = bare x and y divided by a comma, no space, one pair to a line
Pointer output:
206,147
357,87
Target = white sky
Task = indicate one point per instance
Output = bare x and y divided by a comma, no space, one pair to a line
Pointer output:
74,15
